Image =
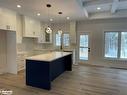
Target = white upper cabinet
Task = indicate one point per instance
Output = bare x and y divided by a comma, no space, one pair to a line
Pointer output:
31,27
7,19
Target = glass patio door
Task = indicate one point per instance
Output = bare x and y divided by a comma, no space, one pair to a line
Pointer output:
84,47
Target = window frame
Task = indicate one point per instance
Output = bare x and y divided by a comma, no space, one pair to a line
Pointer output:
55,41
62,39
119,46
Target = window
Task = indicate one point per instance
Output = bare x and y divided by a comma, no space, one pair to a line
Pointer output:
123,53
65,39
58,39
116,44
83,47
111,44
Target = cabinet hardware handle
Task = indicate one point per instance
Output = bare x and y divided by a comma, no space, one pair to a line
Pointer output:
8,27
88,49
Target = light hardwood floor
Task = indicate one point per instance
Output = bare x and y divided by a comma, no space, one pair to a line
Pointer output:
83,80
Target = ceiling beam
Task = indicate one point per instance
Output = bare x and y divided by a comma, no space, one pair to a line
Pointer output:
86,12
96,2
114,6
83,8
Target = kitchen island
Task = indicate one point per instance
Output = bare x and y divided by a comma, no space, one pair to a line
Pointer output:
44,68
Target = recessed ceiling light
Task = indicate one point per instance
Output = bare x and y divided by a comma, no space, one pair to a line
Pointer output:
48,5
38,14
18,6
68,18
60,13
51,19
98,8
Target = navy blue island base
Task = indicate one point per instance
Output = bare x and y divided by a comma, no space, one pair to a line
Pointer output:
41,73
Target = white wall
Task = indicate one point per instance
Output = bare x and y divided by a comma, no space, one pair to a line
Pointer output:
96,29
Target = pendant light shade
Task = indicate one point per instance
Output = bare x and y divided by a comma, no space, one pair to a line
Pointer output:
48,30
60,32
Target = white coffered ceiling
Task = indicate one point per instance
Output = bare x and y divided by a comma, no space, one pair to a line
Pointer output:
75,9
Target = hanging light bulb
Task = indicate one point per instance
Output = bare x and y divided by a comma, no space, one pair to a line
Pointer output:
60,32
48,30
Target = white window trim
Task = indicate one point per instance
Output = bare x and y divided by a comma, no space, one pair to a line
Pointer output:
55,41
119,47
69,40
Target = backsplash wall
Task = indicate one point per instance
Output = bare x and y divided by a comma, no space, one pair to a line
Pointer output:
26,45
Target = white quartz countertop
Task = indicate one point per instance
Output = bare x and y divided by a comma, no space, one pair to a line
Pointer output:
49,56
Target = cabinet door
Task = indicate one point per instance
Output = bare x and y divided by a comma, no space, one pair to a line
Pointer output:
27,27
11,20
8,20
31,27
36,28
2,25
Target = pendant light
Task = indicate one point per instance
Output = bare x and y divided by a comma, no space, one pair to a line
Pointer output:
60,31
48,29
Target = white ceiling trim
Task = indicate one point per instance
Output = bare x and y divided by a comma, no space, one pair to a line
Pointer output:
114,6
106,15
96,2
83,8
86,12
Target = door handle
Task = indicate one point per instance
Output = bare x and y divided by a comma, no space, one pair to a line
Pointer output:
88,49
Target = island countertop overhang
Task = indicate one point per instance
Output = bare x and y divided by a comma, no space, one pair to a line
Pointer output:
48,57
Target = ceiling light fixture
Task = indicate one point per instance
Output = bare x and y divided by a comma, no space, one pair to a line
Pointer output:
38,14
68,18
60,13
98,8
60,31
51,19
18,6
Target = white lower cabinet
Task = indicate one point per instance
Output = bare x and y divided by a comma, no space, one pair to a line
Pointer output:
21,61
